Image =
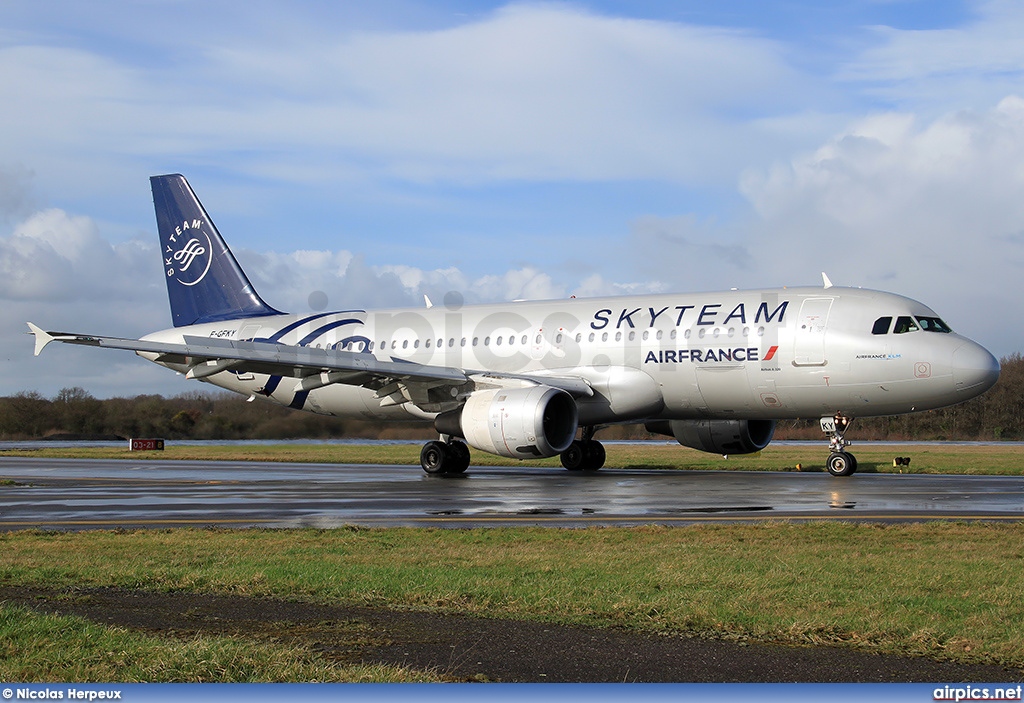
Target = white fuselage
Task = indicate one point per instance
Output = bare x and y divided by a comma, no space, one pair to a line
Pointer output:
758,354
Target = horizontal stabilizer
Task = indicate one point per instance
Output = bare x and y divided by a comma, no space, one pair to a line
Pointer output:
42,338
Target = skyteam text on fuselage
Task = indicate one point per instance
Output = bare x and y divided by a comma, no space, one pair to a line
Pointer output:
538,379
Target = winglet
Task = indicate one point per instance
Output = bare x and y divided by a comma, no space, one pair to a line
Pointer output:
42,337
824,279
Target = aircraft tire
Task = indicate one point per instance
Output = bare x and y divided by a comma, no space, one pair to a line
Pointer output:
574,458
434,456
841,464
594,455
458,458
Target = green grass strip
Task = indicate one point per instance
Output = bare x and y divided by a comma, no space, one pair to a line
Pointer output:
942,589
48,648
927,458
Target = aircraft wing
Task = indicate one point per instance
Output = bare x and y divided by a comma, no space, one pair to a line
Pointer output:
395,381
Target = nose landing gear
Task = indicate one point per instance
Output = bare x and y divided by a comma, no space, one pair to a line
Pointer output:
840,462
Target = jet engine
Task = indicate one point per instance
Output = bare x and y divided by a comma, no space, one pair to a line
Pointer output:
717,436
520,423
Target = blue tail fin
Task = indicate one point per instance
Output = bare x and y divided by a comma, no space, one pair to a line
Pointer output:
204,281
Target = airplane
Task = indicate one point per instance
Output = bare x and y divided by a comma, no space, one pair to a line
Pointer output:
535,379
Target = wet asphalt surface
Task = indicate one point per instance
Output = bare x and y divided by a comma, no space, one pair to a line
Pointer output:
101,494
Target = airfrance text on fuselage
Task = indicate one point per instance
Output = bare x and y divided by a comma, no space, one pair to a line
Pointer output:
703,356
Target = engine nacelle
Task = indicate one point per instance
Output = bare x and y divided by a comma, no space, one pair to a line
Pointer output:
718,436
520,423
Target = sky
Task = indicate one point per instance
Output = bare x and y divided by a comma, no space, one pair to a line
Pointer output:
371,153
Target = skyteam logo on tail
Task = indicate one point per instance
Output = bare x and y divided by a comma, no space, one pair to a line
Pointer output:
189,254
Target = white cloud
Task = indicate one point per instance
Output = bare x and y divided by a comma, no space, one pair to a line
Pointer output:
932,210
59,271
960,173
287,281
537,92
53,256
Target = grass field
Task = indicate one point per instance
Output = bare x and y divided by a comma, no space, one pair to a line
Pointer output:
38,648
943,590
946,590
925,458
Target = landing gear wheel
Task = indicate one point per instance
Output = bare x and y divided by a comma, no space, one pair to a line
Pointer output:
439,457
595,455
433,457
583,455
458,456
841,464
574,457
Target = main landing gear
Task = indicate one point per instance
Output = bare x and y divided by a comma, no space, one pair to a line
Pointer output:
441,457
840,462
586,454
447,456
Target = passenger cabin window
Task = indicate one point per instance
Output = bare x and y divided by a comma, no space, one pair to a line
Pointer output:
904,324
933,324
882,325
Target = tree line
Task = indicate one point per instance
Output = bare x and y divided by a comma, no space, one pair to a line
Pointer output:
74,412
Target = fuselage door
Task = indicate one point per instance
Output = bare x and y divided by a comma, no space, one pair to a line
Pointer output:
809,338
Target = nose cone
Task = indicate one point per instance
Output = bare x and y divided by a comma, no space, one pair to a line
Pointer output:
974,369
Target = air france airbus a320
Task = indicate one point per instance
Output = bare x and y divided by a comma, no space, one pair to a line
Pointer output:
522,380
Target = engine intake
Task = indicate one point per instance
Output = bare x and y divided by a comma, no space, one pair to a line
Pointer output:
718,436
520,423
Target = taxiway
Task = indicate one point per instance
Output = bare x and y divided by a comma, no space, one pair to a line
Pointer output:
77,494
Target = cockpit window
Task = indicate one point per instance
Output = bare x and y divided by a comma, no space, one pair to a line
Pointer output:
882,325
905,324
933,324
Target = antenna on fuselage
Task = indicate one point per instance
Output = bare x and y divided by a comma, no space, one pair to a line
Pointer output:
824,279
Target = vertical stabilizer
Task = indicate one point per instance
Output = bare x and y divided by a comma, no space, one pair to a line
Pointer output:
204,281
